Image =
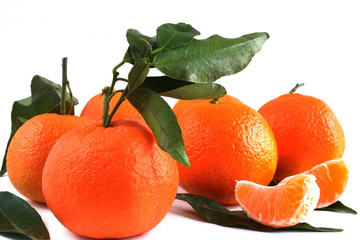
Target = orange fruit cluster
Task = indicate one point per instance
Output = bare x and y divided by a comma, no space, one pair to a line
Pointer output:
296,135
116,182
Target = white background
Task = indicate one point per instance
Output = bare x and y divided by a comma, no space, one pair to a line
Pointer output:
315,42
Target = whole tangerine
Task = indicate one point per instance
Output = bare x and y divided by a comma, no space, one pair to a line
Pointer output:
29,148
226,141
306,130
110,182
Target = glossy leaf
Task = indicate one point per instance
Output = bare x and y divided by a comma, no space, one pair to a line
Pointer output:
175,35
128,57
17,216
179,89
137,74
162,121
139,48
216,213
208,60
45,96
338,207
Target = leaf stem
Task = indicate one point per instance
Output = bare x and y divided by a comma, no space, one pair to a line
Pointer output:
63,87
156,51
122,79
116,74
121,100
108,93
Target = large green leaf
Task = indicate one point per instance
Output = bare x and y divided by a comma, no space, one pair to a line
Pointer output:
175,35
45,97
162,121
138,48
216,213
179,89
17,216
208,60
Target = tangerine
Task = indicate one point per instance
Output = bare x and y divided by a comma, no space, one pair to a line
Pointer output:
306,130
94,108
225,141
110,182
29,148
285,204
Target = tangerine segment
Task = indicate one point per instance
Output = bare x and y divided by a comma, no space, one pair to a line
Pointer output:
332,177
286,204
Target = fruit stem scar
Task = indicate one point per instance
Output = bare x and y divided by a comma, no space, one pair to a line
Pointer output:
296,87
214,101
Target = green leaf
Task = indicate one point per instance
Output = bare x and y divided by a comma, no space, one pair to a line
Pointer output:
175,35
45,95
137,74
179,89
138,47
216,213
128,57
17,216
208,60
162,121
338,207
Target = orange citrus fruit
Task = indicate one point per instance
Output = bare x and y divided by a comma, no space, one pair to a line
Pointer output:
94,108
306,130
225,141
285,204
29,148
332,177
110,182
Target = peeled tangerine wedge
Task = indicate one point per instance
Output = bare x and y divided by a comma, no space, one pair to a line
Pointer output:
296,196
331,177
285,204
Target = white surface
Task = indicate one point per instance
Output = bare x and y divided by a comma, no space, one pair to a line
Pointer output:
315,42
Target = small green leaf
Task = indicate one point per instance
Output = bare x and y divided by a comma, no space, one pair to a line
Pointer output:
138,74
208,60
216,213
17,216
338,207
162,121
138,47
45,95
179,89
175,35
